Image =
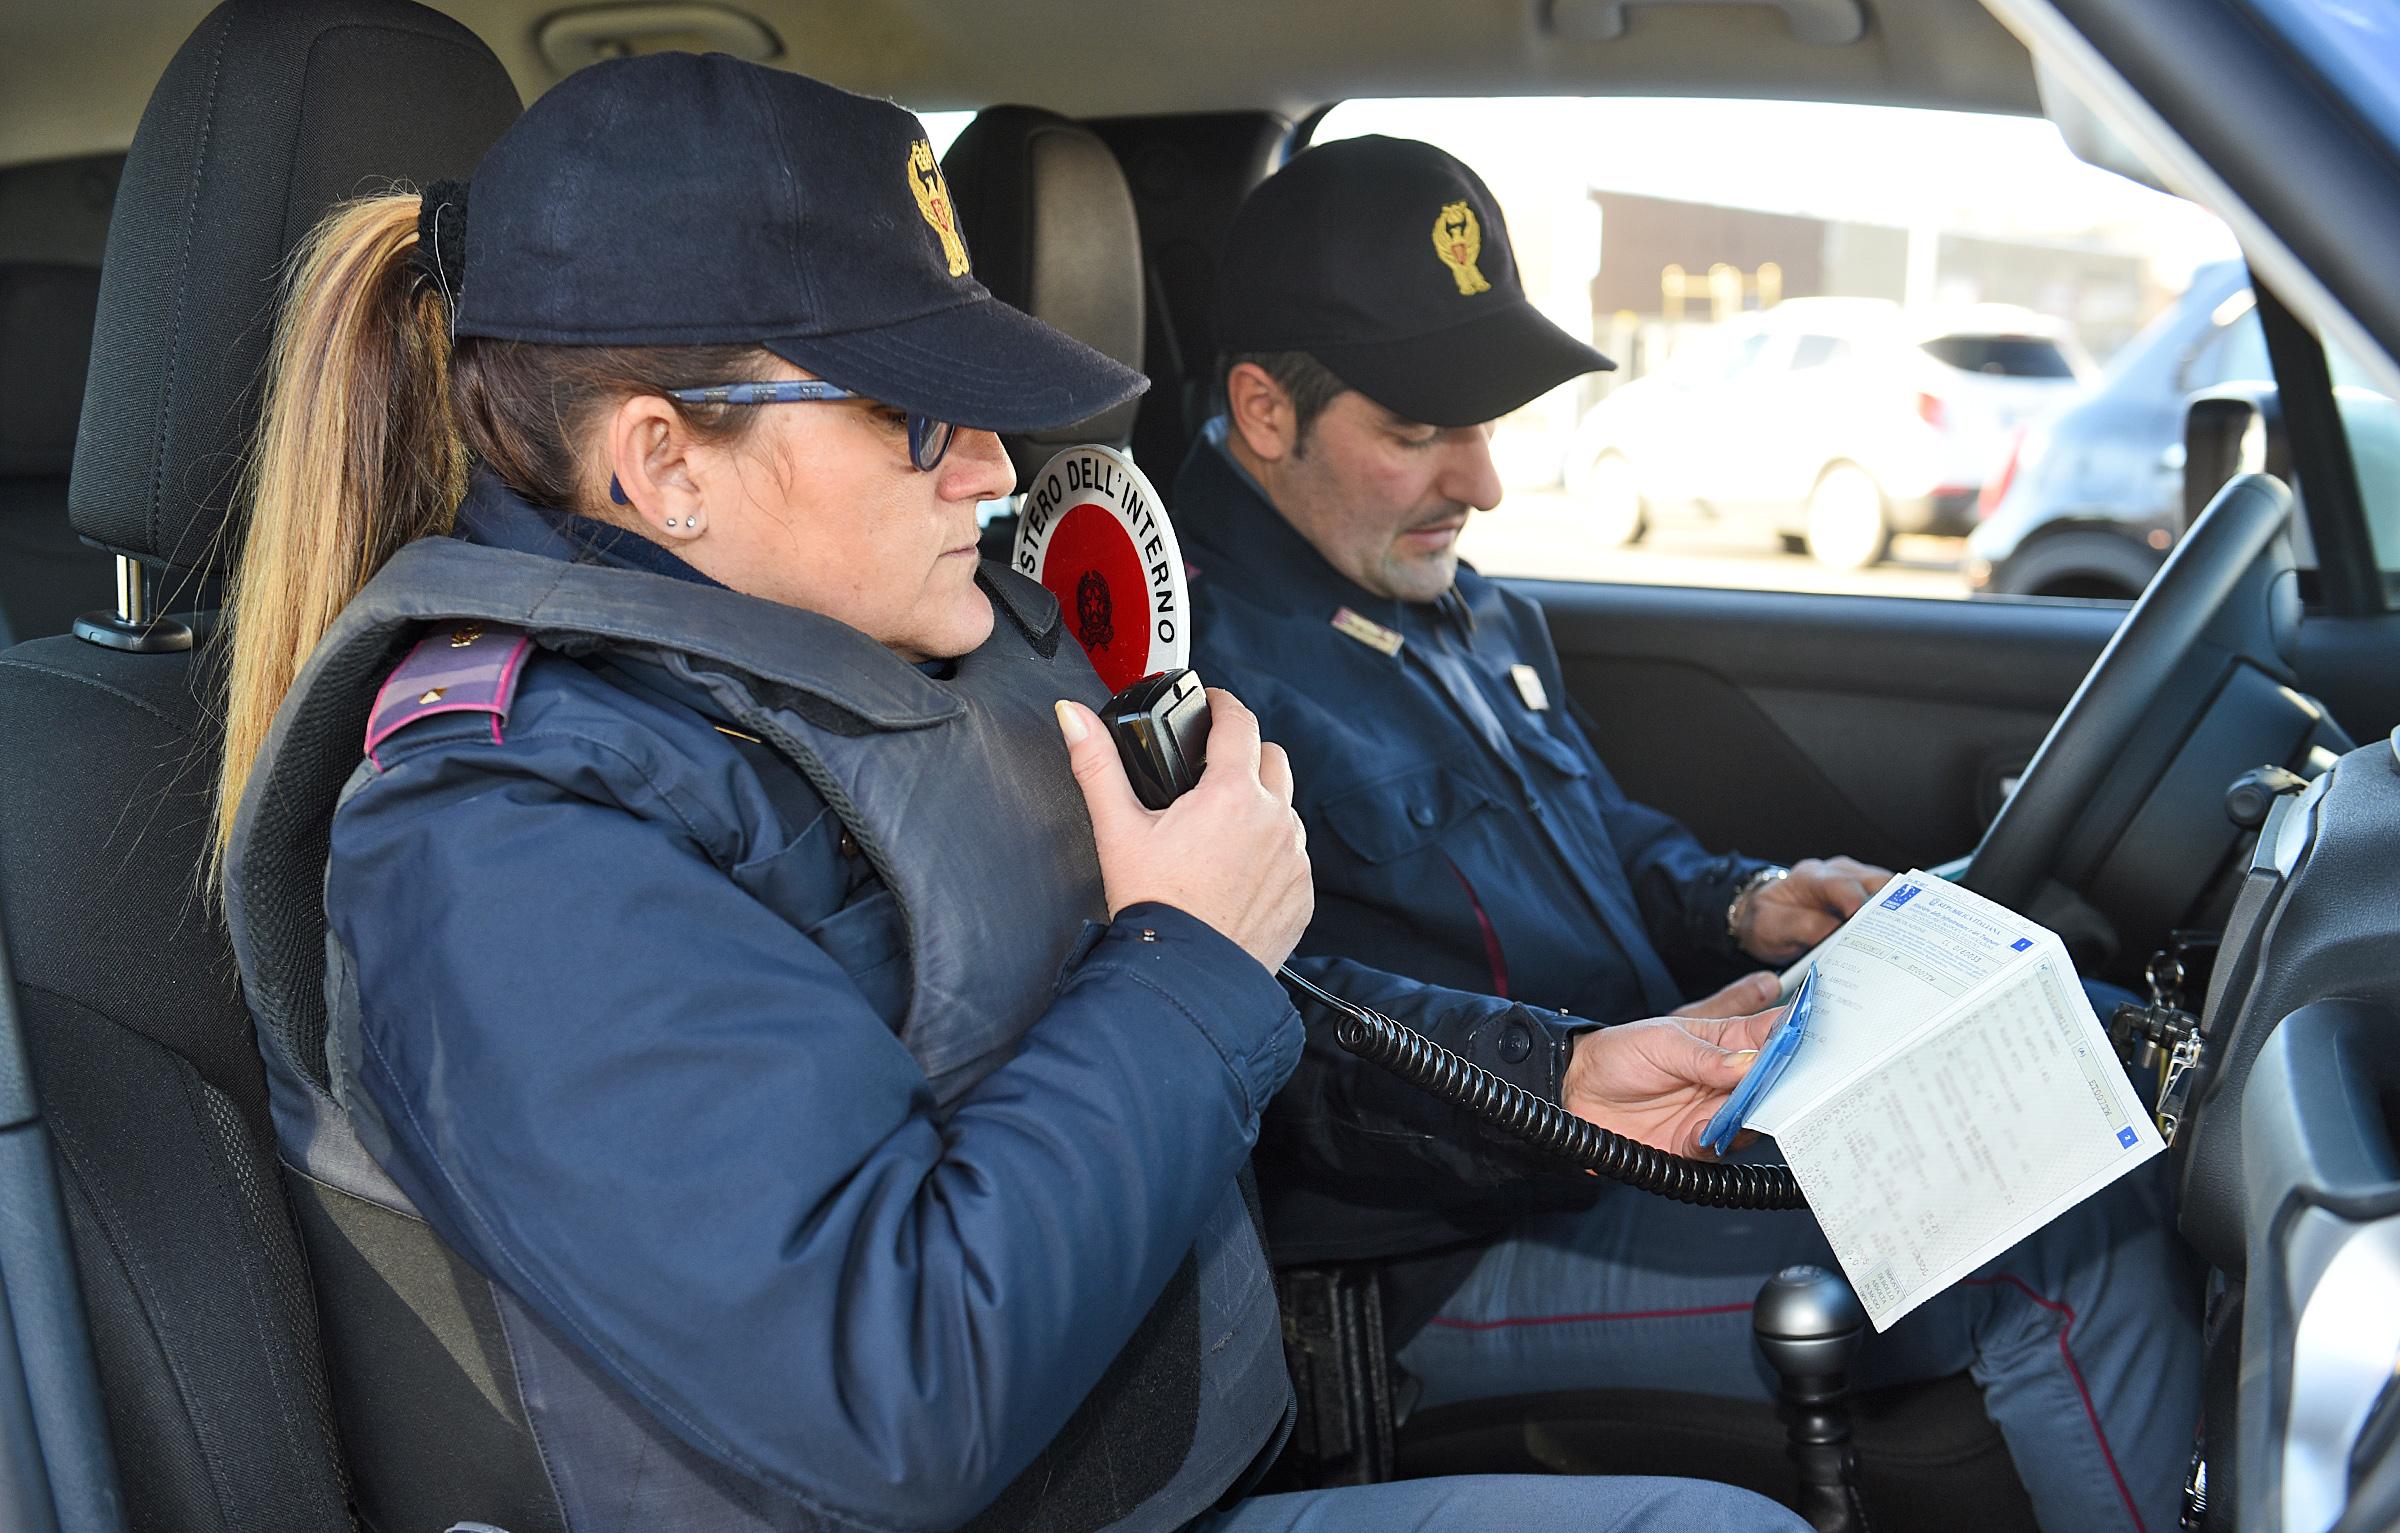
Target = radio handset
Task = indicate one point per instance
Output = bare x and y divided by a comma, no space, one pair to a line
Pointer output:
1160,726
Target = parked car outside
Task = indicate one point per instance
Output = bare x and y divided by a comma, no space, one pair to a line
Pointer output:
1833,422
2091,496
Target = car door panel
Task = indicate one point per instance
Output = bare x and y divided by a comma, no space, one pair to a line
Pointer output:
2346,662
1795,724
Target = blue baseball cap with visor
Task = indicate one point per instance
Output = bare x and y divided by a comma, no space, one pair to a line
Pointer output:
683,199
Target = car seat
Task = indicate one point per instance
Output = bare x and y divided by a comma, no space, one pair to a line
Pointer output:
1051,227
53,222
203,1326
1050,223
1189,174
1050,220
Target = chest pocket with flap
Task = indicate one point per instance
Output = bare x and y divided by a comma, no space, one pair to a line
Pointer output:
1535,742
1388,820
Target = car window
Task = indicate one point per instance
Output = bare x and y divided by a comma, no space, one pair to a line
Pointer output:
943,128
1963,270
2372,420
2371,423
2235,349
2001,356
1706,358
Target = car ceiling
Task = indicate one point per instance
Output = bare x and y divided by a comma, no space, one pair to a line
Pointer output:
75,73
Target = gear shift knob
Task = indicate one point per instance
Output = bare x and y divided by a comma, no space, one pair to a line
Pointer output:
1809,1325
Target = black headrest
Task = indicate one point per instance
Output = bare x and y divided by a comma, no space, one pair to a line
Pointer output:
55,212
271,112
1050,223
45,340
53,225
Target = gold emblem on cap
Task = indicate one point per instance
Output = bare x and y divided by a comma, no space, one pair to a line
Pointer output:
1458,240
933,200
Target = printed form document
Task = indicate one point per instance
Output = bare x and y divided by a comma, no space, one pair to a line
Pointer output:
1952,1093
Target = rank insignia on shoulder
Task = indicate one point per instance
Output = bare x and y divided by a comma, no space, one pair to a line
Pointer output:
456,668
1367,631
1530,688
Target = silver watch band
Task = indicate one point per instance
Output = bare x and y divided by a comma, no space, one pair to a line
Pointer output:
1771,873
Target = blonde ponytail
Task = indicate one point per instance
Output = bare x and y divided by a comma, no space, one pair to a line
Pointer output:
358,453
366,432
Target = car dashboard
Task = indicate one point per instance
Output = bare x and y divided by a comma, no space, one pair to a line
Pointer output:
2287,1169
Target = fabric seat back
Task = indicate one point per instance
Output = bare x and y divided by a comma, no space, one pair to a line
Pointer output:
1050,223
203,1321
53,221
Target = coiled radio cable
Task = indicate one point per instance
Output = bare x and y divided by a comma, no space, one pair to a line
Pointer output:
1546,1126
1160,726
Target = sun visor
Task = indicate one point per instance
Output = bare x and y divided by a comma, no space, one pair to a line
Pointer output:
2091,137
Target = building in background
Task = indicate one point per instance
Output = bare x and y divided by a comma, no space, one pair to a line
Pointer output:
1647,243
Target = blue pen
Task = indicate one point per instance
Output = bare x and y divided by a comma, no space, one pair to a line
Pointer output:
1773,1057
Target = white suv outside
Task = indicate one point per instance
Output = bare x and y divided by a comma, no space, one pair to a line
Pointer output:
1834,422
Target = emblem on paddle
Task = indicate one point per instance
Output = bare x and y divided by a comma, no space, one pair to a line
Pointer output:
1094,532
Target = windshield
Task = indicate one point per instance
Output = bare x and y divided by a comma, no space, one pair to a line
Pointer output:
1813,307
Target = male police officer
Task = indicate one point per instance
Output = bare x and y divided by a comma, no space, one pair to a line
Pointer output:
1463,830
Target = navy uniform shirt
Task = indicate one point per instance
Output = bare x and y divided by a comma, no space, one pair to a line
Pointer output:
1462,827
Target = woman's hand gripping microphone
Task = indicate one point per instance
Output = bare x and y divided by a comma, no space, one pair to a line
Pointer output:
1230,851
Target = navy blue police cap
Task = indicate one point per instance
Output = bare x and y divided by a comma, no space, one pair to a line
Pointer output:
1387,260
686,199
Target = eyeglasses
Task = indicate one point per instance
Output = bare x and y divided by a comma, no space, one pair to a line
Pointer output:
928,438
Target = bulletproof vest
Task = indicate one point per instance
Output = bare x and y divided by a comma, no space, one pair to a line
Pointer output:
460,1403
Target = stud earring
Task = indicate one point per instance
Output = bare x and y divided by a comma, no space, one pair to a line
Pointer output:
616,491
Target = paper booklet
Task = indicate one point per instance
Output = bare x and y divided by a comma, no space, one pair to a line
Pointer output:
1951,1093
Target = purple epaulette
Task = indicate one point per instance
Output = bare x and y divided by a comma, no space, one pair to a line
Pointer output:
463,667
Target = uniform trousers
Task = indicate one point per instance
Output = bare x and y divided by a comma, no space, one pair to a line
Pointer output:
2084,1337
1518,1503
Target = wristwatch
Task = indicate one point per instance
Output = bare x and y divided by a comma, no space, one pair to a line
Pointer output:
1771,873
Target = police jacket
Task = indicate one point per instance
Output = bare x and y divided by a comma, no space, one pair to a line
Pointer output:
1462,828
627,1012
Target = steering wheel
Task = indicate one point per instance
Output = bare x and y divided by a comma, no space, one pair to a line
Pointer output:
2227,586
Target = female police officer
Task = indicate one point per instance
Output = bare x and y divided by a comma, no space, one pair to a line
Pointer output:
719,959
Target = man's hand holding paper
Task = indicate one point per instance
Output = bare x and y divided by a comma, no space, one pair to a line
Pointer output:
1950,1093
1787,917
1660,1080
1775,1055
